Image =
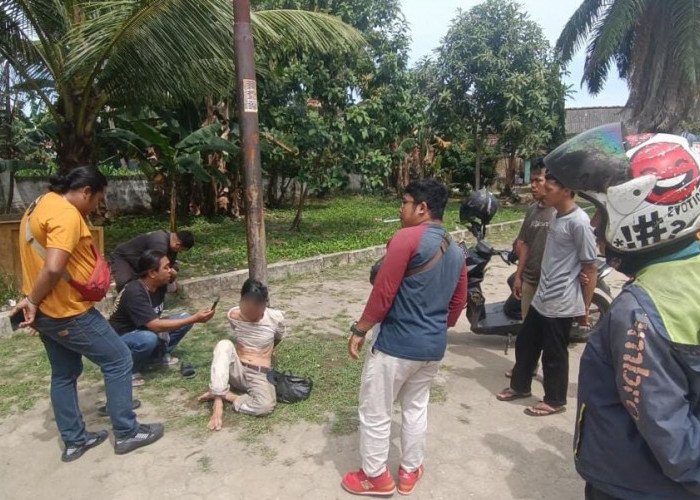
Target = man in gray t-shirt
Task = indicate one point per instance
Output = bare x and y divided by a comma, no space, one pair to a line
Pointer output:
531,240
570,250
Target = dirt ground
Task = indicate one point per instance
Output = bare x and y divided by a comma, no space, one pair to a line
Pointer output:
477,447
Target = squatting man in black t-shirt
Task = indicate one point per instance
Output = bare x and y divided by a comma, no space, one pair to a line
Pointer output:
136,316
123,261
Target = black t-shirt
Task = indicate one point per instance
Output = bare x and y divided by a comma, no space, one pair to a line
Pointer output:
130,251
135,306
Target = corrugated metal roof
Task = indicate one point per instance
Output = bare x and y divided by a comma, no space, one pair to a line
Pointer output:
581,119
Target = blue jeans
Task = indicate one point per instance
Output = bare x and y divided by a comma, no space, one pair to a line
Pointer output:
66,341
143,343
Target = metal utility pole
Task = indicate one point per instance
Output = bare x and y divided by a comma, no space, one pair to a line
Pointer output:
250,139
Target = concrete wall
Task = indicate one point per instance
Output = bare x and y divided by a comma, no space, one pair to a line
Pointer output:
124,194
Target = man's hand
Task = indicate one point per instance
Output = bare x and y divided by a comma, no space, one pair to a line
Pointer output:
518,288
584,279
203,316
355,344
29,312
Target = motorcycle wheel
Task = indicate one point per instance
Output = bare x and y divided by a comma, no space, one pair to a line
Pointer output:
599,306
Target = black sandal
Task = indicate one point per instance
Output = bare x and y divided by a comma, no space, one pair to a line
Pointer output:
187,370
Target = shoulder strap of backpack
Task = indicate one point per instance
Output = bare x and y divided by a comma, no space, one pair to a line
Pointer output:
29,237
444,245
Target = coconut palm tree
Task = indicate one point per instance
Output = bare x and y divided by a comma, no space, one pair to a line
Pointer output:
78,56
655,46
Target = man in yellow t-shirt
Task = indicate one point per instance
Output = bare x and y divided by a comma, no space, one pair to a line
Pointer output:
56,223
69,326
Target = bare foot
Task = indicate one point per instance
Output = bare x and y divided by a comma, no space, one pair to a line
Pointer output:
207,396
231,397
217,415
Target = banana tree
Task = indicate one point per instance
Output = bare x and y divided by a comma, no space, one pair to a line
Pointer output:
78,56
166,161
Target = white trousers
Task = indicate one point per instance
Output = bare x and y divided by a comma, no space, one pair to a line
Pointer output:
258,396
384,380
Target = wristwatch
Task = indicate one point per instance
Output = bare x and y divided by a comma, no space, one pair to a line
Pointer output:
357,331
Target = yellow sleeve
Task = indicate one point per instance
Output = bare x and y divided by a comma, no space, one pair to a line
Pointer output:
63,230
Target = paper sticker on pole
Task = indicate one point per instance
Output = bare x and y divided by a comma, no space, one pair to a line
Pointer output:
250,96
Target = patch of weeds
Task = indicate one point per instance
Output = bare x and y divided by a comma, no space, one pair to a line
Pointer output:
342,319
438,393
8,289
267,453
288,462
345,422
464,420
204,463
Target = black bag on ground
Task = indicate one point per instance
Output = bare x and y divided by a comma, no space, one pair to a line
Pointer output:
290,388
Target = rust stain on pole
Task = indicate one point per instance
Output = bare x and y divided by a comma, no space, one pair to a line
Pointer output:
250,139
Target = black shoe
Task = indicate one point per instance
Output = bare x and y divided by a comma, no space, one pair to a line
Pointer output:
102,410
144,435
75,451
187,370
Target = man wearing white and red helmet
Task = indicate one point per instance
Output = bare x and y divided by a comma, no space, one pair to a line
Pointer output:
638,423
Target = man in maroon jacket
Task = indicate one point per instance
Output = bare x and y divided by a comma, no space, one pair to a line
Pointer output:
419,291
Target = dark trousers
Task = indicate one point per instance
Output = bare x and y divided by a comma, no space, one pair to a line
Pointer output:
66,341
549,336
593,493
122,273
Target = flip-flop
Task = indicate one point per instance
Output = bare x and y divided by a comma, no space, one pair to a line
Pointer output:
512,395
187,370
537,410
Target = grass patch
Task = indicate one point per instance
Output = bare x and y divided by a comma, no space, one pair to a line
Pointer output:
322,357
8,289
24,373
25,376
330,225
438,393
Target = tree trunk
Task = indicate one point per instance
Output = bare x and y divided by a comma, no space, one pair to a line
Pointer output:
296,225
6,136
11,192
477,167
272,187
173,205
76,145
510,169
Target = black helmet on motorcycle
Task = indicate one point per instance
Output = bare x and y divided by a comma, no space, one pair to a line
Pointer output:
478,210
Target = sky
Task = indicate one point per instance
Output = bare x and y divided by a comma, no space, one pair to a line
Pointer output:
430,19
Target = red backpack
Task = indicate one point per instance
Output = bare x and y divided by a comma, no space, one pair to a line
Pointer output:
96,287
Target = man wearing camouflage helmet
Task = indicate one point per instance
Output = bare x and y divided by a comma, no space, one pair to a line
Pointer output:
638,423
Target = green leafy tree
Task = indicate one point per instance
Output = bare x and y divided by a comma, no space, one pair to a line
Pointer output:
78,56
496,75
340,113
655,46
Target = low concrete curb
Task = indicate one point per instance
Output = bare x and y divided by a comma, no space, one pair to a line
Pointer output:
212,285
218,284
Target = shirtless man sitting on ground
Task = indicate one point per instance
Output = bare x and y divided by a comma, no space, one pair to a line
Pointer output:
242,365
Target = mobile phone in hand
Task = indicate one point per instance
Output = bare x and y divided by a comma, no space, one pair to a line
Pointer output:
213,306
16,319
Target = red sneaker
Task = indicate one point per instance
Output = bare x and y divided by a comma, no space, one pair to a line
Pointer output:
358,483
408,480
